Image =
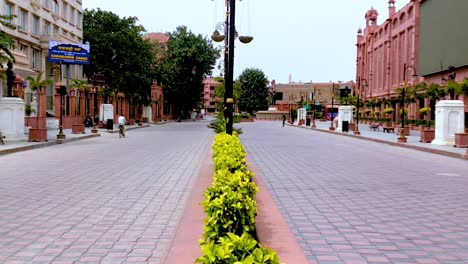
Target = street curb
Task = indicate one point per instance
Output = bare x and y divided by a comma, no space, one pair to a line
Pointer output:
46,144
131,128
396,144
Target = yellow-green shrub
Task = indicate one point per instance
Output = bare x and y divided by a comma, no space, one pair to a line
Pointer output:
230,206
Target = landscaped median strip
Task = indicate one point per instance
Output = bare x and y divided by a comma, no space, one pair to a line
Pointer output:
229,232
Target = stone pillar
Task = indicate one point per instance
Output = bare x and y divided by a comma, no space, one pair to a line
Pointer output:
82,103
72,98
90,99
345,113
12,117
449,119
57,104
42,105
301,115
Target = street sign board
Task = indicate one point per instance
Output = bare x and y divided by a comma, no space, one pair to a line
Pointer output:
68,53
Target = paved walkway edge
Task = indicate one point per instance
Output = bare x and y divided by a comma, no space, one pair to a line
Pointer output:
403,145
185,247
272,229
46,144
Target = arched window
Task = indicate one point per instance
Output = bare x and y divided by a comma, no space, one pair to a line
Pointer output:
55,7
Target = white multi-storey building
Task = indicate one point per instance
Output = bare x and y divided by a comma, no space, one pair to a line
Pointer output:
38,22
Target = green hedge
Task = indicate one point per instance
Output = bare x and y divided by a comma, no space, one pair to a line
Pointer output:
229,232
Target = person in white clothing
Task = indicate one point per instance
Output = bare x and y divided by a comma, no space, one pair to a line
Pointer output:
121,121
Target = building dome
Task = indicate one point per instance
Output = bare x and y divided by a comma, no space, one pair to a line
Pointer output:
359,31
372,14
391,2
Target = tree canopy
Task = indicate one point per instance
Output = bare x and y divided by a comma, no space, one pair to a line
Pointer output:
254,92
119,52
188,60
6,41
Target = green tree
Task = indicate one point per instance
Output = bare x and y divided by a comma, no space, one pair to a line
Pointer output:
6,41
189,59
219,92
434,92
453,89
119,52
254,91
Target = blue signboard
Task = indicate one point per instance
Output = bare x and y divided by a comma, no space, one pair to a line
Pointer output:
68,53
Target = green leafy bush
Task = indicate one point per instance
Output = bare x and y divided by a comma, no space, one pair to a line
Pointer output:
230,207
236,250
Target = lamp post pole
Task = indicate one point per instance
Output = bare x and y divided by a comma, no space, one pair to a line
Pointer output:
356,127
332,99
62,91
230,72
402,137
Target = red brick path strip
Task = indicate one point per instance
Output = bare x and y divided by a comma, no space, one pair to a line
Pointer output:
185,247
272,230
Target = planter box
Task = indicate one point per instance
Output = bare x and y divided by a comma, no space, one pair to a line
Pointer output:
407,130
37,134
145,120
247,119
461,140
78,129
427,136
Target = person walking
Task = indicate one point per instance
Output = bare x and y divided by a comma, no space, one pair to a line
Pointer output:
284,119
122,122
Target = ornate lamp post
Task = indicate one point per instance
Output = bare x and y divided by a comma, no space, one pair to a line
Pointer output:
230,35
402,137
62,89
332,99
356,127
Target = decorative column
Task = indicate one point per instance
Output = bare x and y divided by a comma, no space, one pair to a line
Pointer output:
42,101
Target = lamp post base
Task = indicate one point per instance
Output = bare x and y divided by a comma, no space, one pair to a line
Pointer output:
402,138
94,130
331,129
61,135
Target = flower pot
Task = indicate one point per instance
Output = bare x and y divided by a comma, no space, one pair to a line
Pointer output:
37,134
78,129
461,140
427,136
407,130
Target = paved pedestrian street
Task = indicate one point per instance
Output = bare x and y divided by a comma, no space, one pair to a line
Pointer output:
354,201
100,200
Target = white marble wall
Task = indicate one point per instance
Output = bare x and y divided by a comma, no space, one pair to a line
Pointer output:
12,117
345,113
106,111
449,119
147,112
301,114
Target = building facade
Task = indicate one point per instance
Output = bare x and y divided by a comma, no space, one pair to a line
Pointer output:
287,96
38,22
411,46
384,50
209,100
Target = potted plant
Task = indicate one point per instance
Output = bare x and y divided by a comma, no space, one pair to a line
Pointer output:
28,110
38,133
78,126
427,135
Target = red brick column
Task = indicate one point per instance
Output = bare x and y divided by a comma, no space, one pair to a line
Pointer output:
42,105
82,104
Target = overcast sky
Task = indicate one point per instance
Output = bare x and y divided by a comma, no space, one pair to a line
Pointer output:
311,40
